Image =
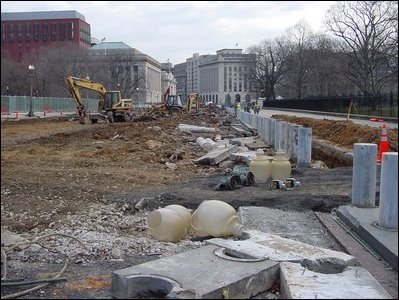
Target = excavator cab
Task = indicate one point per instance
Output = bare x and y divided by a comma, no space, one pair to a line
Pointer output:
111,98
174,101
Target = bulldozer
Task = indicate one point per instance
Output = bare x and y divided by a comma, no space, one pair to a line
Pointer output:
111,107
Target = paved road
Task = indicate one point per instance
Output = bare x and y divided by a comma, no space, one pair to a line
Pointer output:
268,112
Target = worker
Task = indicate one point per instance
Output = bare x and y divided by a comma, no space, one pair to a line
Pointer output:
237,107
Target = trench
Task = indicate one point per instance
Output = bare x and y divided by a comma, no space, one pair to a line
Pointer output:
330,154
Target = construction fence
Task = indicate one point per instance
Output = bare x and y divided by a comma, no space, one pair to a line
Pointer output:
21,104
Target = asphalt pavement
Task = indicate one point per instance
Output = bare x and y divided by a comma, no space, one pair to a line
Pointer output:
362,120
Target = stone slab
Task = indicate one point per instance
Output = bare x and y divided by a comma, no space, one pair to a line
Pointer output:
362,221
242,141
296,282
379,269
216,155
258,244
200,273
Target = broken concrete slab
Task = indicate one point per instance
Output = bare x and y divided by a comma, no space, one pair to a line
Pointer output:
245,157
259,244
211,275
297,282
216,155
257,144
242,141
242,131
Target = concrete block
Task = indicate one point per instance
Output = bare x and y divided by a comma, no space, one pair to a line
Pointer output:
297,282
204,273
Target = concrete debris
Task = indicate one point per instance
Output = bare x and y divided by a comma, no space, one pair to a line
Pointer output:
193,128
102,236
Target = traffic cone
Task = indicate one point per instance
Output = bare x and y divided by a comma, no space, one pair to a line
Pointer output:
384,145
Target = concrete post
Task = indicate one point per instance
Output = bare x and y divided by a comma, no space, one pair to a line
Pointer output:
304,158
388,210
283,136
264,127
272,130
364,174
293,137
277,135
267,130
287,138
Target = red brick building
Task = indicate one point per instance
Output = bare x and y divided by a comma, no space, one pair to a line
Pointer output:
25,32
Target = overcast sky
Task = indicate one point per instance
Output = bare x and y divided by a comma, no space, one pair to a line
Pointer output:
176,29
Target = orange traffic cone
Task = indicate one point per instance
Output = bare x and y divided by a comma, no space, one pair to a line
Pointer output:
384,145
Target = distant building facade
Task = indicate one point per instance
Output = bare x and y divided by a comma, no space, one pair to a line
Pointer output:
136,74
25,32
222,78
180,74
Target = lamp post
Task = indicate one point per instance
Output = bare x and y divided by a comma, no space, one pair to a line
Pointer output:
31,69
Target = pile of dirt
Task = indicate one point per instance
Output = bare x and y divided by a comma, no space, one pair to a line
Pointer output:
343,133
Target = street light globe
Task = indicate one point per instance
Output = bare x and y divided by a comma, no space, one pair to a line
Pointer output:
31,67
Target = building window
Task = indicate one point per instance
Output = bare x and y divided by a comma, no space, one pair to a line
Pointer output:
70,31
36,31
62,31
27,32
3,33
53,31
44,32
19,36
11,32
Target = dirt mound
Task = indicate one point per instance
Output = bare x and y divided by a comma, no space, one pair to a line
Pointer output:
343,133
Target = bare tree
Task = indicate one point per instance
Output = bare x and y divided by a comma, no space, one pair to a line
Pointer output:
269,68
326,67
370,34
295,45
14,76
118,71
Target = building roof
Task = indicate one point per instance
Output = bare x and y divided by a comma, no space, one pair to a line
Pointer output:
41,15
110,46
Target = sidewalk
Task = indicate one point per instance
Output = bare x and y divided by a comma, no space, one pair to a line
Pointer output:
357,119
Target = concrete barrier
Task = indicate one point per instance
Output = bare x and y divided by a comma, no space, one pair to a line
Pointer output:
364,174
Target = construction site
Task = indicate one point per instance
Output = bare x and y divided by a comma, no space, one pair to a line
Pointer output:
76,198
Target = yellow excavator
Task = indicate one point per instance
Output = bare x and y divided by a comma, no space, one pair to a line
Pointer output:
111,107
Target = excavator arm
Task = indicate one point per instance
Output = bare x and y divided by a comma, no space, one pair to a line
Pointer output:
75,84
110,103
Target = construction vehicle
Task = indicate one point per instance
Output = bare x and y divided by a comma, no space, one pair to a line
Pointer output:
171,104
111,106
193,102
